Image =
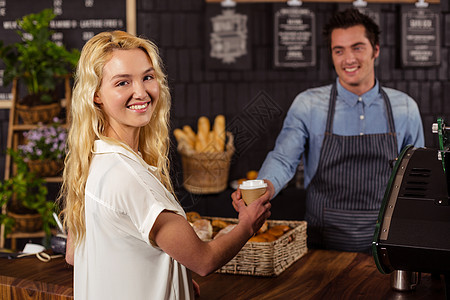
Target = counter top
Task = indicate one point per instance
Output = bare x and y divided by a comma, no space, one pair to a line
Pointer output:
30,278
320,274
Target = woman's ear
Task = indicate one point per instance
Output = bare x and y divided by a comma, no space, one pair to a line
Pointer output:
97,99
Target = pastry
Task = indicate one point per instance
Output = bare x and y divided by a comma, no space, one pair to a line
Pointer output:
203,229
258,239
251,175
277,232
219,223
268,236
193,216
284,228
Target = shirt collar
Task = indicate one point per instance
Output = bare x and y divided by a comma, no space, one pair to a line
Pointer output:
351,99
104,147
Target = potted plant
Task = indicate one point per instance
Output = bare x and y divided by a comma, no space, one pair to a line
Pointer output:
25,196
44,149
39,62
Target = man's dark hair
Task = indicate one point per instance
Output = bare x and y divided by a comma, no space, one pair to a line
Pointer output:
349,18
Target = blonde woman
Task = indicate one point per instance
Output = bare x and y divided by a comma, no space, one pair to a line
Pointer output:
128,236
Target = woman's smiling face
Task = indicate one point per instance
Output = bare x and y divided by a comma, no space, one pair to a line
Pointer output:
128,92
354,58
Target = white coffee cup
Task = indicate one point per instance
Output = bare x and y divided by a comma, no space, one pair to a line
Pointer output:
252,190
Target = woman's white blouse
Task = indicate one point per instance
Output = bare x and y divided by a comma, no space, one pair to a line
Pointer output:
116,260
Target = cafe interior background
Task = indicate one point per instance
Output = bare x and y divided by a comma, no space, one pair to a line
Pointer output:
254,83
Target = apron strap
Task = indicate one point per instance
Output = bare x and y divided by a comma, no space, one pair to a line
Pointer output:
331,107
390,117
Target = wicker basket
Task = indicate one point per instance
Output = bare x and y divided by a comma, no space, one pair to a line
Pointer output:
46,168
269,258
40,113
26,222
206,172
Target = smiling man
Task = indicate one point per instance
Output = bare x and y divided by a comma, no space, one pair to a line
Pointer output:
346,133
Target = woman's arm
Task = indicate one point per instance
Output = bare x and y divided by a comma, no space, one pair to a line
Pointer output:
175,236
69,249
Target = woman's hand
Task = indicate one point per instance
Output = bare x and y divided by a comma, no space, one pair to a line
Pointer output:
254,215
236,196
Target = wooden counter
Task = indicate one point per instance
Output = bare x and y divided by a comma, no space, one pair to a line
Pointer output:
319,274
29,278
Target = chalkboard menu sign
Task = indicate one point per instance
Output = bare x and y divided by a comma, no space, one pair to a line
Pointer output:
227,43
420,37
294,37
74,24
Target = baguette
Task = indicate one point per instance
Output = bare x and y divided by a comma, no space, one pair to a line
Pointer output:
202,139
219,133
183,138
206,140
201,142
203,126
189,132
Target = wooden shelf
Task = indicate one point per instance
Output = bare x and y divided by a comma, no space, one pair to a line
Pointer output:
53,179
19,235
25,235
25,127
14,129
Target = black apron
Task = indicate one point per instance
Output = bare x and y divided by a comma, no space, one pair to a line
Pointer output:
345,194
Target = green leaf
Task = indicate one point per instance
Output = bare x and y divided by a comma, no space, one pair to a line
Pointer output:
37,60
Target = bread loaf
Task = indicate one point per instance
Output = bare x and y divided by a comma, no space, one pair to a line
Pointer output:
203,229
183,138
189,132
201,143
203,126
206,140
219,133
219,223
277,232
268,236
193,216
284,228
258,239
202,139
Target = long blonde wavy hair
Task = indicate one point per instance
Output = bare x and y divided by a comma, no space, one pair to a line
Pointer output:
88,122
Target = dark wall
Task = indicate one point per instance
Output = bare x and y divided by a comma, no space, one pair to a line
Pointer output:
178,28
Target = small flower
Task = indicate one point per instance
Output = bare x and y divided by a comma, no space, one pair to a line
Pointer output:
45,142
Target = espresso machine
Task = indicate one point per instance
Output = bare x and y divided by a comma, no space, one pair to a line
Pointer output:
413,229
